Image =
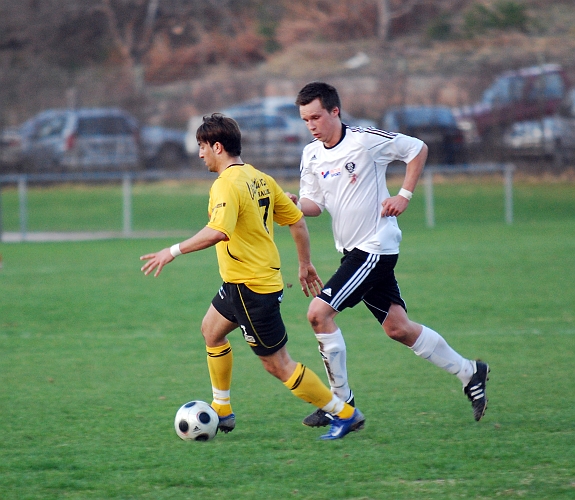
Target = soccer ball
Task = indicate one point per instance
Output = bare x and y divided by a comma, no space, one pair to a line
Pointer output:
196,421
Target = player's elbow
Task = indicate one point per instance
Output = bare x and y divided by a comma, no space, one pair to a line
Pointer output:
309,208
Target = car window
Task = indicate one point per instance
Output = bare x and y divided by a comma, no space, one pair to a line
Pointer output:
419,117
554,87
50,127
103,125
253,122
289,111
505,89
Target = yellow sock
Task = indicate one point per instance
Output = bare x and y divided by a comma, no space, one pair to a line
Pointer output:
220,361
347,411
306,385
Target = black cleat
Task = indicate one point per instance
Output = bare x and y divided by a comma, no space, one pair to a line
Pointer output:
320,418
475,390
227,423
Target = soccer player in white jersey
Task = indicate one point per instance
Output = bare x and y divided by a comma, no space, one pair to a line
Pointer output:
343,171
243,206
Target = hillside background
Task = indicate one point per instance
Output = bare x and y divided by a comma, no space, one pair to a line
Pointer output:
166,60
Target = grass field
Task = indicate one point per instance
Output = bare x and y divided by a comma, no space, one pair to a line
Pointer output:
95,359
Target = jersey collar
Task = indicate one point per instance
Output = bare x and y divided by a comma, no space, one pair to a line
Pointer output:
343,129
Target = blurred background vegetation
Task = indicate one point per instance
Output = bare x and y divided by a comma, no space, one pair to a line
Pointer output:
166,60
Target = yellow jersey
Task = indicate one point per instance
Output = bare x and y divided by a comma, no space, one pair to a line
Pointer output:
244,203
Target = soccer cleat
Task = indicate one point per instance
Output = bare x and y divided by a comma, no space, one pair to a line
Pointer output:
227,423
320,418
475,390
341,427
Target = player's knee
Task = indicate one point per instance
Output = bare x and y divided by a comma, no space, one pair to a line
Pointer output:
396,331
206,332
315,316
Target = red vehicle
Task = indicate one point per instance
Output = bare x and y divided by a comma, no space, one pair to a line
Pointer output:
525,94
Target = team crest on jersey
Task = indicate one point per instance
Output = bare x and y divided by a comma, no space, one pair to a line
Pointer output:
350,167
334,172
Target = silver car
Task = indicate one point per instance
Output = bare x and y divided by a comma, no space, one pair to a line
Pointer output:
81,139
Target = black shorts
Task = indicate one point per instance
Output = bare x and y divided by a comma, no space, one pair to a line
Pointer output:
364,277
257,314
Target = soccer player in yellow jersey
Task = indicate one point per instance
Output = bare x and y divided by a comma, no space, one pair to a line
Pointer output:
244,203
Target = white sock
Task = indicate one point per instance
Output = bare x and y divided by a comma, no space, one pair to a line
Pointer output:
333,352
433,347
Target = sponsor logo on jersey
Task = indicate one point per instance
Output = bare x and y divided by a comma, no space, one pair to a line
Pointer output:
313,158
334,172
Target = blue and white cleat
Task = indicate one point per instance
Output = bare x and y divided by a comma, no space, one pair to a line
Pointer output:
341,427
227,423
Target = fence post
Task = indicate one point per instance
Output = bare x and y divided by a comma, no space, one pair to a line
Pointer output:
429,204
508,176
22,198
1,215
127,202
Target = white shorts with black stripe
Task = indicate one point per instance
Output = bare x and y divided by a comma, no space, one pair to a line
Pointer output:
364,277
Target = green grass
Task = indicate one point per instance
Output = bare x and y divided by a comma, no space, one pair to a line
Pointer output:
183,205
95,359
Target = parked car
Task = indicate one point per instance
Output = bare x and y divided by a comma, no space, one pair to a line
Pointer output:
10,149
273,133
551,137
163,147
434,125
525,94
270,140
79,139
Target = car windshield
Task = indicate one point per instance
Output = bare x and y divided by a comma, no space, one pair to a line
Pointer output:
504,89
260,121
103,125
417,117
289,111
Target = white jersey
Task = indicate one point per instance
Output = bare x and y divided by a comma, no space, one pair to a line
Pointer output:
348,180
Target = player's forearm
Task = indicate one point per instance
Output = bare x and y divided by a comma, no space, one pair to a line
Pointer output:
414,169
204,238
300,236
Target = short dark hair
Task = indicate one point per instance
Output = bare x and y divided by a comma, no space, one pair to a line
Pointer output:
326,94
219,128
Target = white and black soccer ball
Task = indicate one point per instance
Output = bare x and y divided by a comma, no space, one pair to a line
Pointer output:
196,421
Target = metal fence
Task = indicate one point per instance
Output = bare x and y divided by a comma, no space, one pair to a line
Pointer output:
127,179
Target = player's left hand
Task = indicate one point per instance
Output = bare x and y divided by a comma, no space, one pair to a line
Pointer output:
394,206
292,197
156,260
310,281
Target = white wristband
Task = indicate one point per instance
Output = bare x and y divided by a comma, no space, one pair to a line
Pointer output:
298,204
175,250
405,193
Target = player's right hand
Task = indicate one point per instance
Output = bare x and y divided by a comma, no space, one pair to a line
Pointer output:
156,260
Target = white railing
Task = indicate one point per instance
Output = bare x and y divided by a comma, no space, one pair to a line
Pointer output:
128,178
